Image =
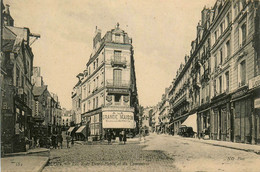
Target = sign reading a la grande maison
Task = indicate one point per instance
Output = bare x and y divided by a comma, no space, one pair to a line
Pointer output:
118,120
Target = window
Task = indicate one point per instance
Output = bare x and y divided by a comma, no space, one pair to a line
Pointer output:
215,36
221,56
89,87
117,56
94,66
17,77
228,49
117,37
220,84
243,34
228,18
84,107
221,28
117,76
242,73
216,61
94,103
215,87
227,81
97,62
97,81
89,70
79,103
97,102
117,97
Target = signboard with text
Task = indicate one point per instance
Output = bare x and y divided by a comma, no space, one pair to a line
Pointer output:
118,120
254,82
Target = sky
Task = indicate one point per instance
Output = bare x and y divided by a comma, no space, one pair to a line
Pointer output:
162,31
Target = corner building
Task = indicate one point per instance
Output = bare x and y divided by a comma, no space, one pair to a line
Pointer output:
109,94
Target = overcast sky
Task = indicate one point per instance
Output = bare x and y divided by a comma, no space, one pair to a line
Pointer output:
162,31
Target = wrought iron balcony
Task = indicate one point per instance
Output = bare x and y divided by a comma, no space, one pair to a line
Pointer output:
121,62
118,84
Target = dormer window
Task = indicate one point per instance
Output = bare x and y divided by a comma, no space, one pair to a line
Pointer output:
117,37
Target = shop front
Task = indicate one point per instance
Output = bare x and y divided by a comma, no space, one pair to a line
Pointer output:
220,118
203,121
241,103
254,90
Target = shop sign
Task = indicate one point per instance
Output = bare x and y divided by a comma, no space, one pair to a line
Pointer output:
257,103
254,82
117,90
118,120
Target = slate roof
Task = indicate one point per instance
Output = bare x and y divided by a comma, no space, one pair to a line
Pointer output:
37,91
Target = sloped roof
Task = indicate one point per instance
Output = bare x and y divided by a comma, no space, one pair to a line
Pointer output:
8,45
37,91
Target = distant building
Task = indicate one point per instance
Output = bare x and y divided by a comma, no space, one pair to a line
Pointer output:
66,118
37,79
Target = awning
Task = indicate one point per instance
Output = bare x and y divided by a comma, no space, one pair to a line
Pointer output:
81,129
191,121
71,129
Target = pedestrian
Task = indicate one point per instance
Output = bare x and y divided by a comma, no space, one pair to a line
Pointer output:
72,141
120,136
108,136
53,141
60,140
68,141
124,136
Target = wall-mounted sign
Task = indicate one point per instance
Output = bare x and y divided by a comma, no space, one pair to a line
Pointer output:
118,120
254,82
257,103
118,90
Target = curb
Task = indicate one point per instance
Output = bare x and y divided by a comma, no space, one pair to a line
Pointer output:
230,147
43,165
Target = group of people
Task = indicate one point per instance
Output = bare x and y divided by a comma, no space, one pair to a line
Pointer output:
56,140
110,134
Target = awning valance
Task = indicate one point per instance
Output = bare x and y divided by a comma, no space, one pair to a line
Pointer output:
191,121
71,129
81,129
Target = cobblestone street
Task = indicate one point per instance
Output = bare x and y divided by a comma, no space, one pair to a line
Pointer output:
158,153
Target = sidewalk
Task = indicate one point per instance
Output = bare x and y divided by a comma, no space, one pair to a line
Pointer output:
226,144
32,160
23,163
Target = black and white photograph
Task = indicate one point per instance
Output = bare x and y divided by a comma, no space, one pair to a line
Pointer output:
130,85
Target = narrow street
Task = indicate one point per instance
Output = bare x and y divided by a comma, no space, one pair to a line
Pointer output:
158,153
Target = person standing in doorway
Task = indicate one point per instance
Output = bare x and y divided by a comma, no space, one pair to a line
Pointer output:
109,136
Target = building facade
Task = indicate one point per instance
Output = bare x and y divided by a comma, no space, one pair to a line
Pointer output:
16,87
108,85
223,90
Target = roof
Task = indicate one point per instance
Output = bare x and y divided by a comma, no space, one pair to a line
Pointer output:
37,91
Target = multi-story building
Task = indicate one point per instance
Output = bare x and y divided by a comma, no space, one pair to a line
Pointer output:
223,91
164,115
76,101
16,97
66,118
108,85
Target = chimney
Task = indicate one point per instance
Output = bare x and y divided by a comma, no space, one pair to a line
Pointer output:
97,37
8,20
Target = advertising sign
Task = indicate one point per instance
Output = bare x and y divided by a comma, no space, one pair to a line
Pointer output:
118,120
254,82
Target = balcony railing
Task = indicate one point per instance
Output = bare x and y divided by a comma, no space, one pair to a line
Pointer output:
118,62
118,84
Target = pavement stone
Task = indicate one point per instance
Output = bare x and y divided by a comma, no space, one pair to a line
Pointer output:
23,163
